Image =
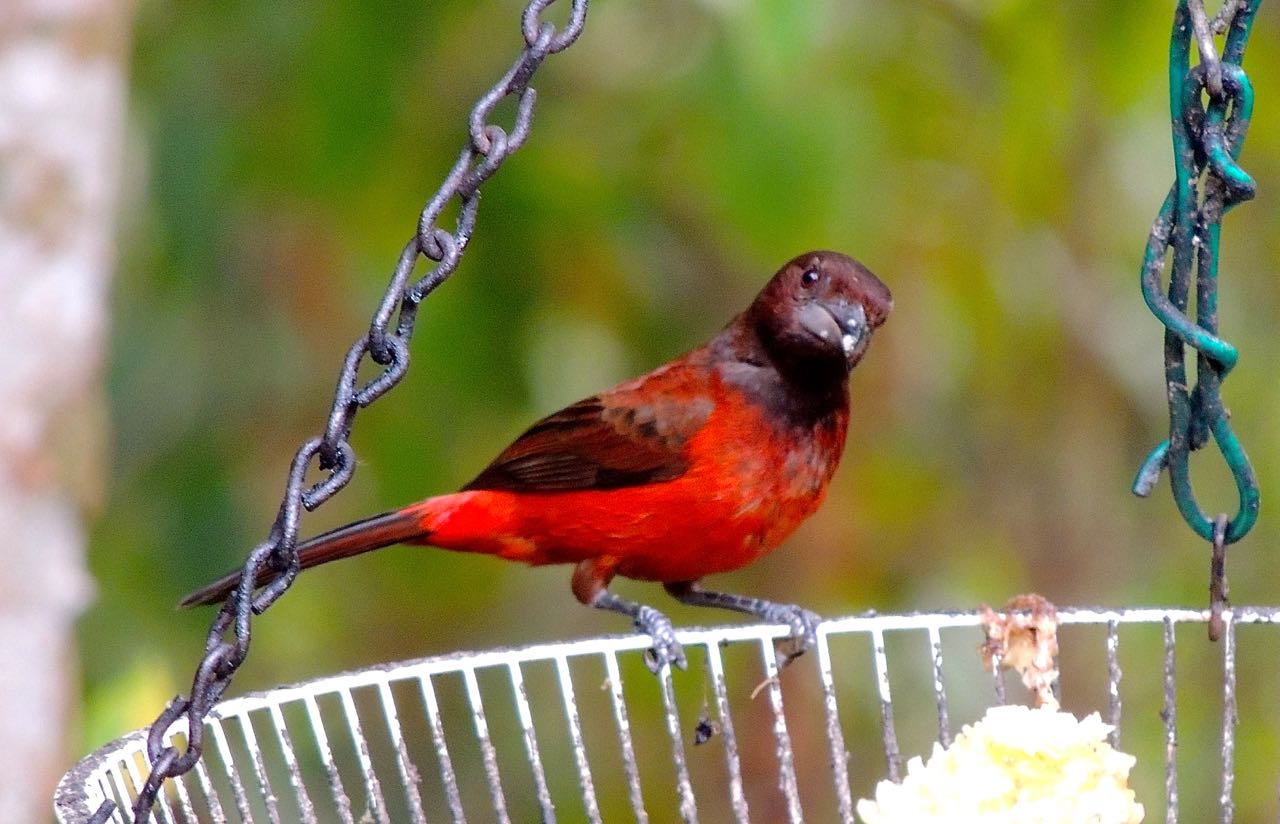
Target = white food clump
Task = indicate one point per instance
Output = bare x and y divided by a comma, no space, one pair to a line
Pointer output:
1016,766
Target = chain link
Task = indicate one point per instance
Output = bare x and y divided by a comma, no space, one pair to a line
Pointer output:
1207,138
488,146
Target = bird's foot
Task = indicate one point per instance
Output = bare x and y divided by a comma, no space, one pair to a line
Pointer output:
666,650
804,629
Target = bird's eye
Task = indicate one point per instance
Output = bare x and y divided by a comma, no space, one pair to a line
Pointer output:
809,278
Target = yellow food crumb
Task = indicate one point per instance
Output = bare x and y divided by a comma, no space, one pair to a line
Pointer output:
1017,765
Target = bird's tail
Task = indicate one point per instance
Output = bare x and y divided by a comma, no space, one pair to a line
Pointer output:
408,525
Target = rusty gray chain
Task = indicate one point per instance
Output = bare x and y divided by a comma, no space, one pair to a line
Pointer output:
488,146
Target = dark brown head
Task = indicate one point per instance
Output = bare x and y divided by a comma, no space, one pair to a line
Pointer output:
816,316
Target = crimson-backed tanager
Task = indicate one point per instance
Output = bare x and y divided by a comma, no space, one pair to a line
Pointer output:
701,466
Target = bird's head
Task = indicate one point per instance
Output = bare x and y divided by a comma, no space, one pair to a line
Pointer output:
816,315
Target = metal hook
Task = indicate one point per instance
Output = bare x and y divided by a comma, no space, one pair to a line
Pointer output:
1218,588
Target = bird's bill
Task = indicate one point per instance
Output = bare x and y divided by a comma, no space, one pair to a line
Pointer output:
843,325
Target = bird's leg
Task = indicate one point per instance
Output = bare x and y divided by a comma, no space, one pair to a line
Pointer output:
590,586
803,623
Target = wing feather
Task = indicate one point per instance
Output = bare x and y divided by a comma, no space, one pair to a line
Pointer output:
624,438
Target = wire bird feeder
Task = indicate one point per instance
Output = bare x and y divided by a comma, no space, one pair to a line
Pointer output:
557,730
581,730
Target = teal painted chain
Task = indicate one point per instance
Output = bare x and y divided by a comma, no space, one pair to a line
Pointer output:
1206,143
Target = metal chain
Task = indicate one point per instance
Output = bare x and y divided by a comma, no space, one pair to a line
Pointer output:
489,145
1207,138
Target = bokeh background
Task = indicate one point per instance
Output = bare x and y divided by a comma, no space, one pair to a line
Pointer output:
996,162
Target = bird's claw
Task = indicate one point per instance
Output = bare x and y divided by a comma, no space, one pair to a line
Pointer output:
666,649
804,630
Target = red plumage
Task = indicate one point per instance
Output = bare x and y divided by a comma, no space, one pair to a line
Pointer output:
701,466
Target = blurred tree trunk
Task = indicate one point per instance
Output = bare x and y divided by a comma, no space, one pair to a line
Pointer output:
62,104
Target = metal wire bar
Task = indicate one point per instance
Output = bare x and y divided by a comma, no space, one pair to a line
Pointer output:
259,768
1229,719
340,798
210,794
404,764
575,734
275,559
545,805
997,677
1170,715
684,786
118,782
892,757
625,744
376,805
1113,682
448,777
305,808
786,756
835,735
737,797
487,750
939,687
229,767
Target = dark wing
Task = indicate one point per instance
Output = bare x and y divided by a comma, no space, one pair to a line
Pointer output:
599,443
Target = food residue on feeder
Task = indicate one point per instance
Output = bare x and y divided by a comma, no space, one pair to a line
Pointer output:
1024,638
1018,764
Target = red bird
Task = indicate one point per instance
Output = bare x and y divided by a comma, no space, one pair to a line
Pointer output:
701,466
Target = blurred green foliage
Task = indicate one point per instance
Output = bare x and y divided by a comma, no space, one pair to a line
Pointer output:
997,162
